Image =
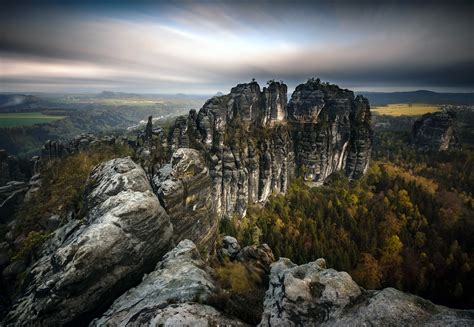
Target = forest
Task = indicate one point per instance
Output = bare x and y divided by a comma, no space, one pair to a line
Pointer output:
408,224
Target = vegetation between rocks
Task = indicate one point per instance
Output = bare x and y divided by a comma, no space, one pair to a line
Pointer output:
407,224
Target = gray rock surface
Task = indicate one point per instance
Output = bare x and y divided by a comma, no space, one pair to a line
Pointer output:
334,133
172,295
254,142
257,258
13,185
311,295
435,131
11,195
9,168
230,248
184,188
86,265
55,149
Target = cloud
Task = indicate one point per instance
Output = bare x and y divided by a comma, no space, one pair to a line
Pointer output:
204,47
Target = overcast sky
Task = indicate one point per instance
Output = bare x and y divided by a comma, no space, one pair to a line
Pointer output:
205,47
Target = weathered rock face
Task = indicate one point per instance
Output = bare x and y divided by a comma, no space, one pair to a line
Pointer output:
229,249
435,132
275,103
13,185
184,189
11,195
311,295
84,266
9,169
333,131
256,258
171,295
254,142
56,149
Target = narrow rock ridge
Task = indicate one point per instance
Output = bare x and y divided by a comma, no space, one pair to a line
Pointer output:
254,141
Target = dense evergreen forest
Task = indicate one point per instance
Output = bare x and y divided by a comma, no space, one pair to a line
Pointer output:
408,224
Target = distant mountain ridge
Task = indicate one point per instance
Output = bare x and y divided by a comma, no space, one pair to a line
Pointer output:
420,96
17,100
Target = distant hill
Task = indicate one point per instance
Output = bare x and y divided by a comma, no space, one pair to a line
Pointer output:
13,101
421,96
117,95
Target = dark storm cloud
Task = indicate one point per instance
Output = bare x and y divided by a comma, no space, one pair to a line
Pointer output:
208,46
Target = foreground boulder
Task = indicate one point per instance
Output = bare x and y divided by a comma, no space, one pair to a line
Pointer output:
435,132
172,295
87,264
310,295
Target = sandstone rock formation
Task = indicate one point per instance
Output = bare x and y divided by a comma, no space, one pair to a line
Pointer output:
9,168
334,130
11,195
172,295
229,249
85,265
13,185
57,149
435,132
311,295
254,141
256,258
184,189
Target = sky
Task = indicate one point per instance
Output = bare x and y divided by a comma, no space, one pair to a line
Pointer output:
204,47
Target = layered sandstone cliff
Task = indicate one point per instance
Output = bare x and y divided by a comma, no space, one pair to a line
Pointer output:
255,141
435,132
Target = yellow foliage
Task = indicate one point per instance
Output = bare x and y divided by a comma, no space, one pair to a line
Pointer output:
427,184
237,277
392,245
63,184
368,272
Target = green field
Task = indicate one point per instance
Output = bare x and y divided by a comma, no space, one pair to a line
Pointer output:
25,119
405,109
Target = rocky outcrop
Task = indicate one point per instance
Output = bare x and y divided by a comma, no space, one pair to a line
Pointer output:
275,99
88,263
256,258
57,149
333,131
435,131
254,142
13,185
10,169
229,248
184,189
311,295
11,195
174,294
